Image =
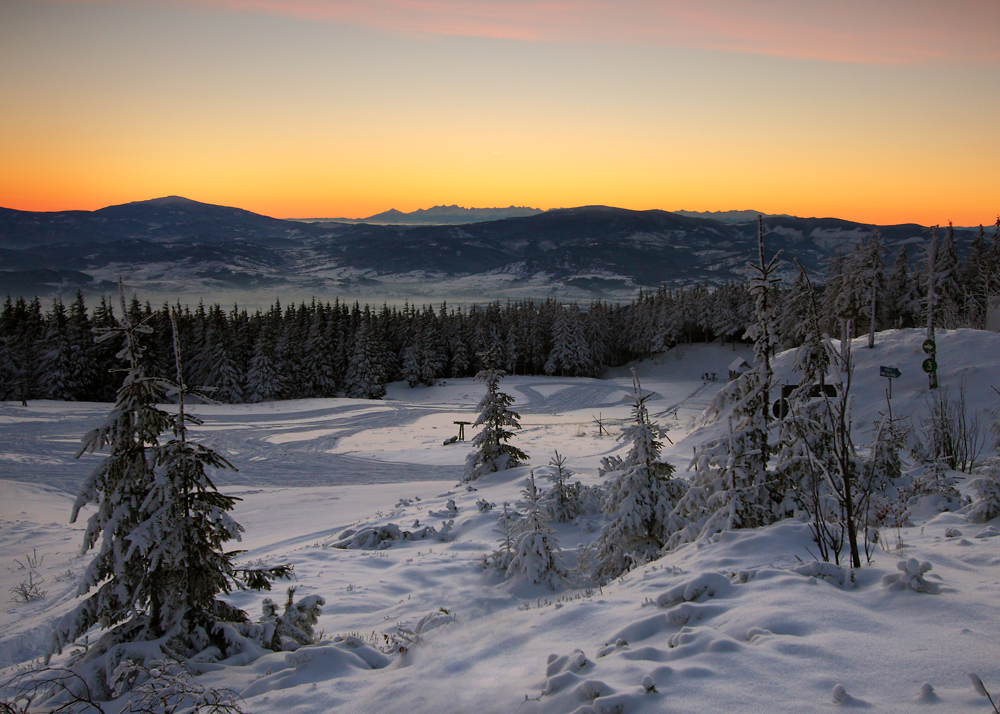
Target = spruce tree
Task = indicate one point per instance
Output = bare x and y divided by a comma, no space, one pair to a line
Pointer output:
55,370
265,382
491,452
159,526
536,555
119,574
366,372
641,494
866,270
901,298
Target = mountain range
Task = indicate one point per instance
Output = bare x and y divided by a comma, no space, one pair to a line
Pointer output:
177,247
436,215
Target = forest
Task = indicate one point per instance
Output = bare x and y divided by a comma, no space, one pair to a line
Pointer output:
324,349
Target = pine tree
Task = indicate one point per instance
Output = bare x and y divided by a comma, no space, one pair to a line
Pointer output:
570,354
159,526
319,369
56,365
536,553
119,573
755,385
224,374
947,288
365,377
729,489
561,502
501,558
265,382
641,494
866,269
806,461
901,298
793,313
8,372
974,280
84,373
491,452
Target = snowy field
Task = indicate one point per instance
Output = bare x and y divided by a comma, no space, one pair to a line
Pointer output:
744,622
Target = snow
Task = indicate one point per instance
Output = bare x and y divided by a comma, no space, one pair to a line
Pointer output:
743,621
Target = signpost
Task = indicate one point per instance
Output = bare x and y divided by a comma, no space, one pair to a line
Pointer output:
892,373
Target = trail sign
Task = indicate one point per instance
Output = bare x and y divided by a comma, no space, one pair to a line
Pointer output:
890,372
929,365
930,347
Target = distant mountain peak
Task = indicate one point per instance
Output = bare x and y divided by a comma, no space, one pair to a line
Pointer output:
731,216
436,215
164,201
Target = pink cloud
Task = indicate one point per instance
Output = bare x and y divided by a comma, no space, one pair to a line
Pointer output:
868,31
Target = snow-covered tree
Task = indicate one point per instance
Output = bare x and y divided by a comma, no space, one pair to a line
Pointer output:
946,287
56,372
730,487
265,382
295,626
365,377
159,526
491,452
641,494
562,501
793,312
986,487
902,299
570,354
866,273
119,573
506,528
536,553
805,456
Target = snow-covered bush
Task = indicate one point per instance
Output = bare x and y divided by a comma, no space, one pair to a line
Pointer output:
952,436
911,577
826,571
381,537
986,487
294,627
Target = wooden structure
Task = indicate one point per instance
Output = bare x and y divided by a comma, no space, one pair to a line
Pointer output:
738,367
461,429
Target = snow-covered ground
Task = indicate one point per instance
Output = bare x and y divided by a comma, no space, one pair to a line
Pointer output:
746,622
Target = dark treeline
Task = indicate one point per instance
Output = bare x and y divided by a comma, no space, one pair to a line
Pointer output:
324,349
327,349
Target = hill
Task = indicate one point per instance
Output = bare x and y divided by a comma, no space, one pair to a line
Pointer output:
177,246
745,621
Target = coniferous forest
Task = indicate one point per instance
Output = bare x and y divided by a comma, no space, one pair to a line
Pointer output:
324,349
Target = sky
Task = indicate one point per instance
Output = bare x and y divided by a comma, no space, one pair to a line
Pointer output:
883,111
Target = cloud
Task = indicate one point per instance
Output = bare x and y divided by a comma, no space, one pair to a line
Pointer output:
865,31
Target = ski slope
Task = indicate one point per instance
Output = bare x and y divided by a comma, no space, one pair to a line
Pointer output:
745,622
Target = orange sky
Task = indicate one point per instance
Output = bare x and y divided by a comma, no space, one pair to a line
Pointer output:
881,111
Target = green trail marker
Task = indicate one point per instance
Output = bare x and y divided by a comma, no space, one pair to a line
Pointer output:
930,347
929,365
889,373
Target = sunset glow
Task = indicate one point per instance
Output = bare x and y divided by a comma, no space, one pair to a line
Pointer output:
882,111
